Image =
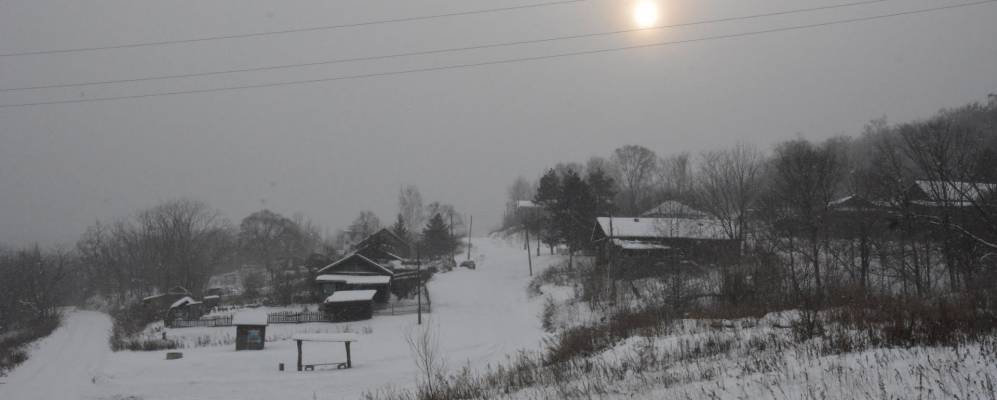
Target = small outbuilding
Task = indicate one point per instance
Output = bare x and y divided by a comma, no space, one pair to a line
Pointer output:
185,308
250,330
350,305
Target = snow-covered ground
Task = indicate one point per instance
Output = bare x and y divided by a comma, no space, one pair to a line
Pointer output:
64,364
481,316
759,359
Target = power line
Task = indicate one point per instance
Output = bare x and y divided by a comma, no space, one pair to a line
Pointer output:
511,60
439,51
289,31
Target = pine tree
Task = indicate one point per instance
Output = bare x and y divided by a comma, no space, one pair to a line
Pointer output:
399,228
576,209
436,239
603,190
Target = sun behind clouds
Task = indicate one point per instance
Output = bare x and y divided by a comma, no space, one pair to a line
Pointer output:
645,13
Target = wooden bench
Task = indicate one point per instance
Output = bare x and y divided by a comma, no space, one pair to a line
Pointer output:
339,365
345,338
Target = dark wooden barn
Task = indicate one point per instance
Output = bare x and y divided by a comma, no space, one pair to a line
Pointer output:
641,247
384,243
355,272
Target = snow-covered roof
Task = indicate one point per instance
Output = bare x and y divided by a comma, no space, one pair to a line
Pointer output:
852,203
343,296
674,209
214,296
186,300
155,296
955,192
326,337
639,245
661,228
525,204
254,317
362,258
355,279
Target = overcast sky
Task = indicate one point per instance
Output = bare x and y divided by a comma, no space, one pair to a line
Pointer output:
330,150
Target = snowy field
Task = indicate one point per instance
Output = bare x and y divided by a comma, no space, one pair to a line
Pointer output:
481,316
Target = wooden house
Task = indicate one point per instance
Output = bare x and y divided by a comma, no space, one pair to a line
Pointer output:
384,246
674,209
642,247
186,308
355,272
163,301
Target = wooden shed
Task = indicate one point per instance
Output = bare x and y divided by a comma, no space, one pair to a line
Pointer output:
250,330
350,305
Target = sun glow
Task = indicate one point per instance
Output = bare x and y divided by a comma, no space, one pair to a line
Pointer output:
646,14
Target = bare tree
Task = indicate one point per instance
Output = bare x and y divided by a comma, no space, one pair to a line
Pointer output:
424,344
805,180
185,240
675,176
364,225
636,165
521,189
410,209
272,240
728,184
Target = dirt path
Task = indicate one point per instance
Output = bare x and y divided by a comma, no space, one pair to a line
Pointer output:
64,365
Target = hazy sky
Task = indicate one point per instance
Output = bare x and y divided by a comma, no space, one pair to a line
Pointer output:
330,150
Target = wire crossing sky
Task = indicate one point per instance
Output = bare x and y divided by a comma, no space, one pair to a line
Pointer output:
439,51
506,61
290,31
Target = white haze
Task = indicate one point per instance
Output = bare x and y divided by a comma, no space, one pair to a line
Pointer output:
331,150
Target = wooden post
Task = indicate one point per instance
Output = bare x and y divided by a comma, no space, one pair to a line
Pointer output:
349,362
469,226
418,286
538,234
529,256
299,355
609,262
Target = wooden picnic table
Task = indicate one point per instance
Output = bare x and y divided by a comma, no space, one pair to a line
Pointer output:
345,338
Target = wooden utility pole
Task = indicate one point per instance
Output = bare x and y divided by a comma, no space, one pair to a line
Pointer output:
469,226
453,245
609,262
538,238
418,285
529,255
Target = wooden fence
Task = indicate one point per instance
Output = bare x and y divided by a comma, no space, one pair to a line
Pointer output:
197,323
408,307
293,317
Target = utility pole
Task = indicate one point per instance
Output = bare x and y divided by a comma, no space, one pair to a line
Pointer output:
418,290
529,255
538,233
609,262
453,247
469,226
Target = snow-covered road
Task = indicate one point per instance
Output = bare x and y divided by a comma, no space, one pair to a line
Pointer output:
64,365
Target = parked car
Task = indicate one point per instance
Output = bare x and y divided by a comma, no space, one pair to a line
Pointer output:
469,264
